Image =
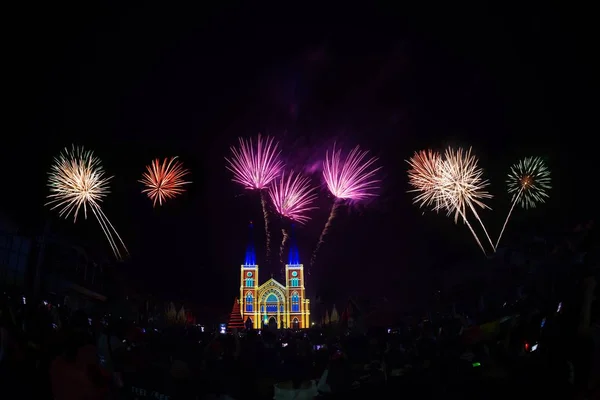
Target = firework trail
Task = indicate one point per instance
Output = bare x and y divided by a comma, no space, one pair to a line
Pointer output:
292,197
164,181
263,203
447,183
451,205
255,164
77,181
463,180
332,214
348,179
284,239
528,182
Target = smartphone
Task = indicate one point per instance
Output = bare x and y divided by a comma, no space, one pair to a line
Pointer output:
534,347
559,307
284,344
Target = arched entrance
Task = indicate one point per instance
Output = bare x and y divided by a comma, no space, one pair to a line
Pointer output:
295,324
272,306
272,323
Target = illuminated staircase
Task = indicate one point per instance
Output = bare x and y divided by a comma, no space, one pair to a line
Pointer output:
235,318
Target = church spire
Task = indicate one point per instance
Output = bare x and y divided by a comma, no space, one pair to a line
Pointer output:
250,258
294,256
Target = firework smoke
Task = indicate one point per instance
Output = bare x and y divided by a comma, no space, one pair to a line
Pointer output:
77,180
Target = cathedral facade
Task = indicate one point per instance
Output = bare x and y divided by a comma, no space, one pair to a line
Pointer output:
272,303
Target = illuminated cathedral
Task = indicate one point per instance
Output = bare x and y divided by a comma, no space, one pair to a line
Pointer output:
272,303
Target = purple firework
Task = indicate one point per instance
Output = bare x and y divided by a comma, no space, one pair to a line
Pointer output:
352,177
293,197
255,166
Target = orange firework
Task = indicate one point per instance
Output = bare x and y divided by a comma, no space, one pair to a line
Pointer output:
164,180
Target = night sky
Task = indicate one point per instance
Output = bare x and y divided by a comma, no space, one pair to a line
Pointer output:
137,83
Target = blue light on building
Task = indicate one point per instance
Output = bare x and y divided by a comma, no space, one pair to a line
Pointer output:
250,258
294,255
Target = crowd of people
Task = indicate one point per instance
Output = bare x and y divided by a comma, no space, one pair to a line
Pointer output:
541,344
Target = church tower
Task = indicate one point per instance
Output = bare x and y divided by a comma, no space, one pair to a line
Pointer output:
298,306
249,284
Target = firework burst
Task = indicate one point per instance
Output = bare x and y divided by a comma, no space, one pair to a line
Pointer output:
352,178
462,180
164,180
292,198
453,183
528,182
78,181
255,164
425,176
463,183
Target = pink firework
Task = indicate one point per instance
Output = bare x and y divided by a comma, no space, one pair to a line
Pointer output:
255,164
293,196
351,178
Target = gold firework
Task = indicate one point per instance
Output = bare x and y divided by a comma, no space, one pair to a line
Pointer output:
77,181
453,182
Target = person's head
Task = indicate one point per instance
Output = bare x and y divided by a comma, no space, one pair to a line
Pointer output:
7,318
3,313
180,370
79,321
251,335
